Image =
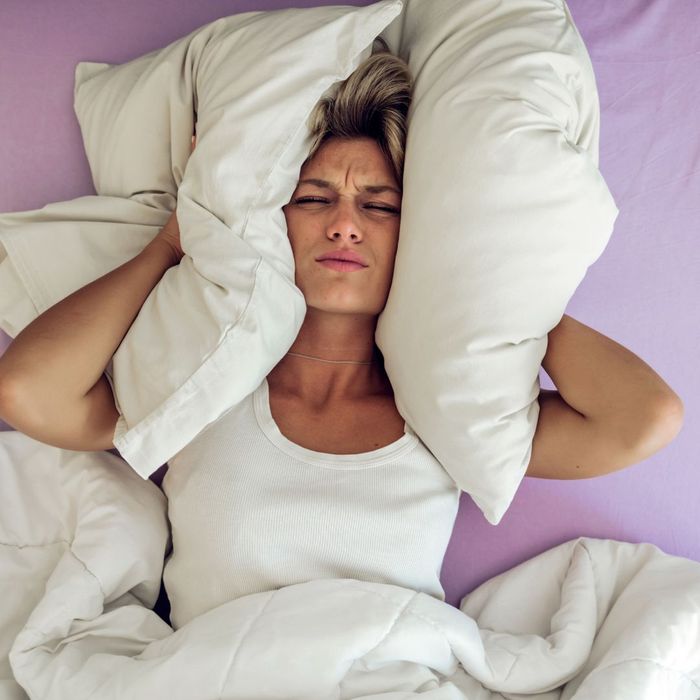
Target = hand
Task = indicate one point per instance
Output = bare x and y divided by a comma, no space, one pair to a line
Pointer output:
170,233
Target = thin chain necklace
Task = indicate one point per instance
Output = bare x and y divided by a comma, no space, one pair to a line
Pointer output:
337,362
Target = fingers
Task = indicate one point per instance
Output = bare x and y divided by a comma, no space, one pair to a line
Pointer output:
193,143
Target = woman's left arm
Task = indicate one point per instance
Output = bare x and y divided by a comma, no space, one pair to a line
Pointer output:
611,409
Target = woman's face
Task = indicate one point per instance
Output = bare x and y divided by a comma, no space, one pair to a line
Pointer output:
347,199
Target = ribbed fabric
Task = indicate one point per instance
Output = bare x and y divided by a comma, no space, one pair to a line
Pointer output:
252,511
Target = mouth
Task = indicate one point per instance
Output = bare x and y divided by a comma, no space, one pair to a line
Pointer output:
341,265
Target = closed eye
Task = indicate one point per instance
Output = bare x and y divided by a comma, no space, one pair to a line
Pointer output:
310,200
391,210
303,200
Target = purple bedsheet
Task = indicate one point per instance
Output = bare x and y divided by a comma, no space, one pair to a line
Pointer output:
642,292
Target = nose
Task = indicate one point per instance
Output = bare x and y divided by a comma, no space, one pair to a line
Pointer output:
343,222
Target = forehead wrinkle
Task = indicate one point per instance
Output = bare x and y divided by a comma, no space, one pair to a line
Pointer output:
373,189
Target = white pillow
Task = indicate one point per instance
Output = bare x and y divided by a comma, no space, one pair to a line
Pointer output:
217,323
503,210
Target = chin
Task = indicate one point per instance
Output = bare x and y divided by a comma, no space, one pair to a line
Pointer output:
358,309
343,301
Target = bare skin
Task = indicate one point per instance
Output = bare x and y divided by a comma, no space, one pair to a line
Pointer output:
351,406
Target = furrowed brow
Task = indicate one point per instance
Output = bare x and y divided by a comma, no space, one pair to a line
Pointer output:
373,189
378,189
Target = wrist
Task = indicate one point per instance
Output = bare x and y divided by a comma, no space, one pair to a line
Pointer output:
160,249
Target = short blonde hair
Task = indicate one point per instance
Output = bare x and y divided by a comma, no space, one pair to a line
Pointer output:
372,102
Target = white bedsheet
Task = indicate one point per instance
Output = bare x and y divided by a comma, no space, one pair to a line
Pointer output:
83,540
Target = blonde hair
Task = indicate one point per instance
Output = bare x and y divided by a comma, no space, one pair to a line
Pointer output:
372,102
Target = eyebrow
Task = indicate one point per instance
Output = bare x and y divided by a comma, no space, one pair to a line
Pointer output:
373,189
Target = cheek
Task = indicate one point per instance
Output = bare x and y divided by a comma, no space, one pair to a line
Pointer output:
292,227
287,217
388,259
298,239
295,223
393,237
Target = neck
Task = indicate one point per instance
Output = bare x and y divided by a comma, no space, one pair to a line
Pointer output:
333,362
339,343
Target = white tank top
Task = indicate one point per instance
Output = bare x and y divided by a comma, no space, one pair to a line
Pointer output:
251,511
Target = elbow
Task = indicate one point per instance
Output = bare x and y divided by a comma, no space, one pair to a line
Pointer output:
664,425
669,417
7,392
14,408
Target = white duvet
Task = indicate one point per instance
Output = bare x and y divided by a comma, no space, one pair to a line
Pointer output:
83,540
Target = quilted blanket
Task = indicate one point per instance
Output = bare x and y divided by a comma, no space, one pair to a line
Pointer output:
83,542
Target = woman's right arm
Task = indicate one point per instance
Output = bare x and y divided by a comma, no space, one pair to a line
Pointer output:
52,382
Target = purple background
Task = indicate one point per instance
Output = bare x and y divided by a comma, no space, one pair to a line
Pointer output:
642,292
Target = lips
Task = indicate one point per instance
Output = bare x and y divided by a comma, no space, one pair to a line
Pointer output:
341,265
343,255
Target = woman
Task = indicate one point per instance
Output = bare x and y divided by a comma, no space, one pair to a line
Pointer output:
316,474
